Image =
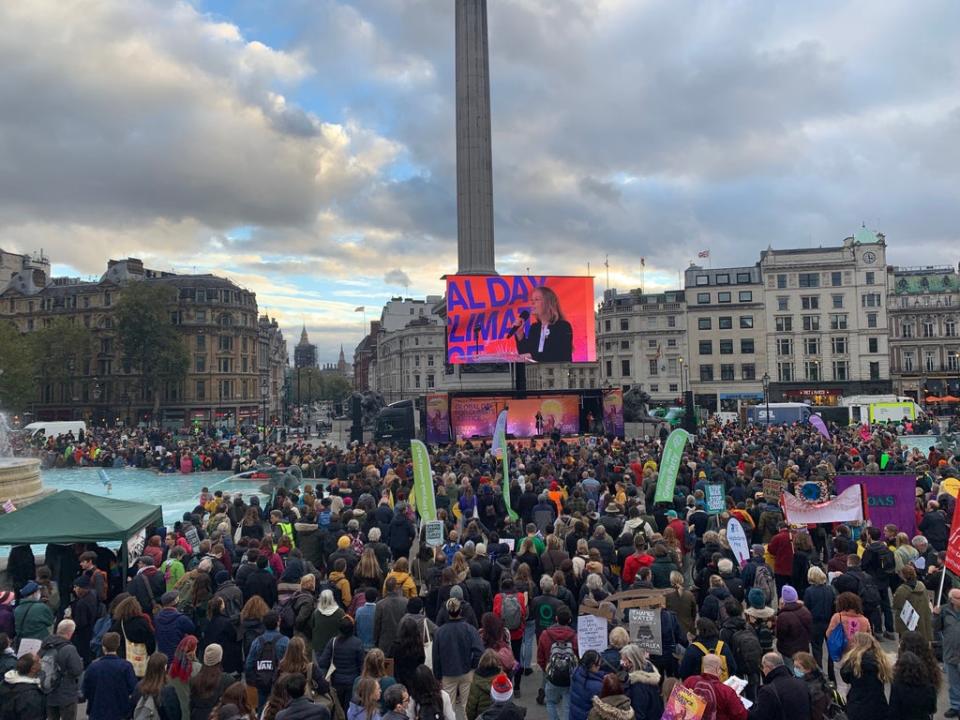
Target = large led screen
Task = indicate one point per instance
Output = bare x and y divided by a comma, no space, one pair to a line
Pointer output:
520,318
477,416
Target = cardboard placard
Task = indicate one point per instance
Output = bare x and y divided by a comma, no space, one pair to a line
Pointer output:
434,533
591,633
645,629
772,487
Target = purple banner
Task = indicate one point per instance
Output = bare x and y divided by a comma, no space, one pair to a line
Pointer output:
890,499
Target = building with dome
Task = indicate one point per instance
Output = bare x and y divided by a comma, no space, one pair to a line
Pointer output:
304,353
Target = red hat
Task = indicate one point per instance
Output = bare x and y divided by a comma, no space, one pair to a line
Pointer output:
501,689
554,485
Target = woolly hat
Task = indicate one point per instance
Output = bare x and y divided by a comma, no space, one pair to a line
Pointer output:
343,542
755,598
671,514
501,689
213,655
788,594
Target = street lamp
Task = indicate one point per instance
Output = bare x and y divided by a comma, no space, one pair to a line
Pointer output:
681,376
766,396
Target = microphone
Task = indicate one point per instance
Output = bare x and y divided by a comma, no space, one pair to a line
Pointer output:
524,315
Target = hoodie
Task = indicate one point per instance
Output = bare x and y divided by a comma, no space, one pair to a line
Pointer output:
643,689
612,707
20,697
917,597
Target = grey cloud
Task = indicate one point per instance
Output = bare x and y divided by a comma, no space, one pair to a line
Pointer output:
397,277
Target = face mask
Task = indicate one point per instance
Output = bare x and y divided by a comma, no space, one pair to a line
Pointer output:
798,672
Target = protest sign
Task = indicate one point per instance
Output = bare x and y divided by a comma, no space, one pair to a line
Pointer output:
737,539
772,487
591,633
715,500
645,629
434,534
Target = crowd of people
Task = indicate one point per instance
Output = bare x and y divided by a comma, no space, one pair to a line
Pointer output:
326,601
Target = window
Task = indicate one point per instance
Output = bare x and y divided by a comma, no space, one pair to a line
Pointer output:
703,280
784,323
746,346
416,381
609,368
908,361
706,373
624,324
950,328
652,366
706,347
673,387
743,278
809,280
652,343
870,277
226,389
841,370
871,320
952,361
726,372
703,298
811,369
654,388
836,302
671,342
201,363
703,323
725,323
838,346
811,323
784,346
201,342
201,390
225,342
874,371
748,371
624,344
746,322
726,347
929,362
810,302
745,296
225,365
107,299
870,300
606,325
724,297
671,366
811,346
781,282
783,303
838,322
873,345
723,279
836,279
908,330
671,321
430,361
785,371
927,328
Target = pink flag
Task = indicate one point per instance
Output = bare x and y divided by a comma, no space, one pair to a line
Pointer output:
820,425
865,433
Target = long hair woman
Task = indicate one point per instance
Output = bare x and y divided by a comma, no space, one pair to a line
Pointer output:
278,700
913,695
208,685
494,636
251,622
912,641
223,632
134,625
551,336
368,572
407,650
252,526
365,704
325,621
299,659
867,669
236,694
426,695
155,690
183,667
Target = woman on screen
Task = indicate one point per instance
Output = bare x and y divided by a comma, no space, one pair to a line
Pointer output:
551,337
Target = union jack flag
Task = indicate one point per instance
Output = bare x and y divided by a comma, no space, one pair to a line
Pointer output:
703,254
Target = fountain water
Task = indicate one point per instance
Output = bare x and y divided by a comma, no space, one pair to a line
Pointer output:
19,477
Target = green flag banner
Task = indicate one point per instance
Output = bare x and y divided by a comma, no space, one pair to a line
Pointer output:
423,481
501,450
670,465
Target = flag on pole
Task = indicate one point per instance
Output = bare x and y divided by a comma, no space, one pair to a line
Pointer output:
501,450
703,254
362,308
670,465
424,493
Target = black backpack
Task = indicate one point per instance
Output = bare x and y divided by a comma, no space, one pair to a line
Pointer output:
428,712
287,616
265,667
747,652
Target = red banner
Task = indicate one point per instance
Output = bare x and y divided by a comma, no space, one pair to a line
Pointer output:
952,560
520,318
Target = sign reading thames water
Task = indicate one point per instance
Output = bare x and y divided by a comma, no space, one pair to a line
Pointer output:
520,318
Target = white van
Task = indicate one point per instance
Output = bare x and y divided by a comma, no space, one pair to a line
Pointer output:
53,428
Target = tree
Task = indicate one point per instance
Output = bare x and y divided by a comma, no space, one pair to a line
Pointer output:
18,381
148,339
311,385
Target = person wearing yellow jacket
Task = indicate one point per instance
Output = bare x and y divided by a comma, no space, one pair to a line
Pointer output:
401,573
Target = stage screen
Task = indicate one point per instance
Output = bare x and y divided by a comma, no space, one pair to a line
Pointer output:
477,416
520,318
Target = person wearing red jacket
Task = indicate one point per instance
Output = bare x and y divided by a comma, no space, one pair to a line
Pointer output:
516,634
639,559
781,547
723,703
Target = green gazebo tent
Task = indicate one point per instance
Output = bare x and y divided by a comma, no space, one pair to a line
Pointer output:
69,516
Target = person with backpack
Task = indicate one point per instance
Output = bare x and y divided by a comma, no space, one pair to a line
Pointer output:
879,562
557,655
760,618
60,669
172,625
511,607
722,702
260,668
745,644
642,683
108,683
793,624
856,582
707,641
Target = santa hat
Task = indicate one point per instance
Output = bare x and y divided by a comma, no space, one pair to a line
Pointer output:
501,689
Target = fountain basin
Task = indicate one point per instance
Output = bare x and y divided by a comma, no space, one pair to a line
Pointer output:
20,481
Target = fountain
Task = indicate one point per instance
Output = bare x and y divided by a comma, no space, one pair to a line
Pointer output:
19,477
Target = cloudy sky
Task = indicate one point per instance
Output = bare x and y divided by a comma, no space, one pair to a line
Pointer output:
305,148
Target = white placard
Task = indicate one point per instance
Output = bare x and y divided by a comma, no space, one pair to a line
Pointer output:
434,534
591,633
28,645
509,542
909,616
135,545
919,562
737,539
